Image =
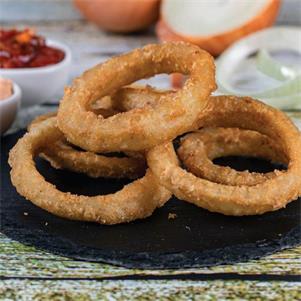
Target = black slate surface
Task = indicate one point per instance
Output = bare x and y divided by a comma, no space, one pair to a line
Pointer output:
194,238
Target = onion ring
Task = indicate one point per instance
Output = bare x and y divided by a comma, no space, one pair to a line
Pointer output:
131,97
270,195
136,200
142,128
62,155
198,149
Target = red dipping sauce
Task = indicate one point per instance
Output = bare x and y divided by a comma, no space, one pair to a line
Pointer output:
25,49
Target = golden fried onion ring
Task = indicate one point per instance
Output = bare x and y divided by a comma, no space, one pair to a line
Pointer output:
198,149
245,113
62,155
131,97
140,128
136,200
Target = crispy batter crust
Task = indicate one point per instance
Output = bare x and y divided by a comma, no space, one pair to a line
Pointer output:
198,149
136,200
270,195
139,128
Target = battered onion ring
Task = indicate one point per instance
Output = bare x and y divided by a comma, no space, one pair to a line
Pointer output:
62,155
270,195
142,128
136,200
198,149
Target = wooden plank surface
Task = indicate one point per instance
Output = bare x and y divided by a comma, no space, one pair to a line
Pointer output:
27,273
84,290
18,260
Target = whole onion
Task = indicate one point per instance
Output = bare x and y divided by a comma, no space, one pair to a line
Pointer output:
120,15
214,25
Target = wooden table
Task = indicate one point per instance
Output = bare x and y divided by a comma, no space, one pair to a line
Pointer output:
31,274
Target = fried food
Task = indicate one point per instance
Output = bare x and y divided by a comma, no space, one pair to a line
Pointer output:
141,128
100,114
223,141
136,200
198,149
270,195
62,155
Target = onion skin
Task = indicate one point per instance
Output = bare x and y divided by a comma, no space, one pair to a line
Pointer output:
216,44
121,16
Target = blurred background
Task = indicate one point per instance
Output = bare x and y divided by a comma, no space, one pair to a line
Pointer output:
65,20
95,30
43,10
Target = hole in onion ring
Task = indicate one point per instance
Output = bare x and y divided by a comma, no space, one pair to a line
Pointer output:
76,183
110,155
251,164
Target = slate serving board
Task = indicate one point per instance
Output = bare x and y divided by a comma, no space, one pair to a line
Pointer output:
194,238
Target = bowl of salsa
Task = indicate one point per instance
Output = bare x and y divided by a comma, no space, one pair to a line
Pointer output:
39,66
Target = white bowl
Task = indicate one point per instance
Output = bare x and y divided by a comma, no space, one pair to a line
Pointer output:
40,84
9,108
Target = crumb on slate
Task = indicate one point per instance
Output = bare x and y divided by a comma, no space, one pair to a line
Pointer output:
172,215
25,213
